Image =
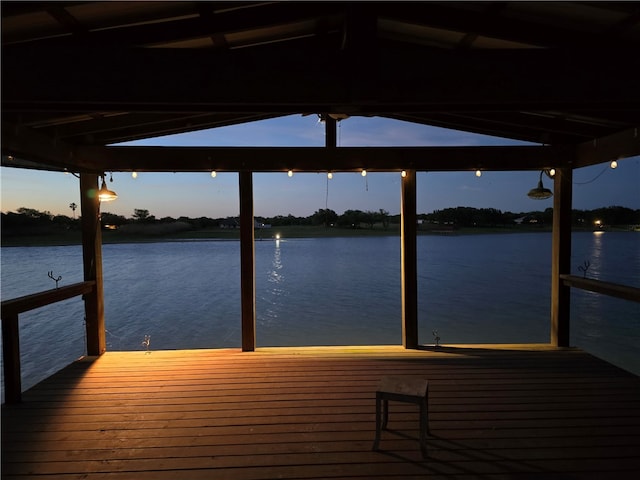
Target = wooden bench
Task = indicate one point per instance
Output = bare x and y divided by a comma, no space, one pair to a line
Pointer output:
402,389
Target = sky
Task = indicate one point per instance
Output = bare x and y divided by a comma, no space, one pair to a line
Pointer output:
199,195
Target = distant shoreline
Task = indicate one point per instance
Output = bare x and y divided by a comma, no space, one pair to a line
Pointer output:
114,237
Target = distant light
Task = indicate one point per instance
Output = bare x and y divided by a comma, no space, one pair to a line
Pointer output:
478,173
213,174
403,173
290,173
614,164
134,174
329,175
364,172
277,236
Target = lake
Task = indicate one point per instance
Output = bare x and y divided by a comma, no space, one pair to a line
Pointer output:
492,288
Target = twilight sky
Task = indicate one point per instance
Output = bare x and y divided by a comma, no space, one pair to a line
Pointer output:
198,194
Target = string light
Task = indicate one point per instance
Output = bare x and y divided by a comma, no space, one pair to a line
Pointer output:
213,174
403,174
329,175
290,173
613,164
363,173
134,174
478,173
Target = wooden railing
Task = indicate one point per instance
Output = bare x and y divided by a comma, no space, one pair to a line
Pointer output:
11,309
625,292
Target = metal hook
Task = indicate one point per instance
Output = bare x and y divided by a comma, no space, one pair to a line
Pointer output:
50,275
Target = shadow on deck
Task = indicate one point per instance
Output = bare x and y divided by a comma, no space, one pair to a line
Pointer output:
498,412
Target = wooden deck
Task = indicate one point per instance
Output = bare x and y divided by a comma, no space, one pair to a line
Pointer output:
496,412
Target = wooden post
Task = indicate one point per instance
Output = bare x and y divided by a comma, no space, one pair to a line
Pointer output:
92,260
561,257
247,263
409,267
11,359
331,132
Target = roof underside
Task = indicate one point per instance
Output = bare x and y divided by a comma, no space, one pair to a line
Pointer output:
77,76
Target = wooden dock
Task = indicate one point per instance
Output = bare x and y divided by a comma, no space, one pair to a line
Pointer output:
496,412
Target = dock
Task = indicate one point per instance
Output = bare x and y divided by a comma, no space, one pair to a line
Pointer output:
495,411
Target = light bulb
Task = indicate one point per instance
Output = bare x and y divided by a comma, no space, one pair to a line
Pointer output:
614,164
478,173
213,174
403,173
290,173
134,174
364,172
329,175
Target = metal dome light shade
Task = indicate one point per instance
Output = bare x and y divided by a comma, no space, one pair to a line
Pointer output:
540,193
104,194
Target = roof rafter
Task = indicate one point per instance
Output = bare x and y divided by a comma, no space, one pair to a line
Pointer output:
290,81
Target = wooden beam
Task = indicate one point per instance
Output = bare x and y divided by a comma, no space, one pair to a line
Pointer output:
247,263
25,303
561,258
92,262
23,143
282,79
409,261
319,159
613,147
625,292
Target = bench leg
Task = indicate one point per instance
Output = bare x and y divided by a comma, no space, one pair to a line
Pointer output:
424,427
385,413
376,441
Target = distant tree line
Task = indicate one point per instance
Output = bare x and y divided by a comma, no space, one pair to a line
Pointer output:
34,221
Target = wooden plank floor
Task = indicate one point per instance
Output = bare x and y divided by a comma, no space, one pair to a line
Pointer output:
496,412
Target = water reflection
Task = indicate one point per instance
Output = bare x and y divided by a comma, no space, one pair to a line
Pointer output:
275,291
596,253
275,276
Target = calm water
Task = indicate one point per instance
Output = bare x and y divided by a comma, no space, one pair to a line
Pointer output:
327,291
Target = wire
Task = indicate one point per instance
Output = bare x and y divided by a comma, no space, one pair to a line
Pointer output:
326,200
594,178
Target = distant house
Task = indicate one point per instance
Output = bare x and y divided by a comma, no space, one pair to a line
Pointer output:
229,223
257,223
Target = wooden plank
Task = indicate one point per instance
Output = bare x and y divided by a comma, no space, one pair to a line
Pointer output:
494,413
